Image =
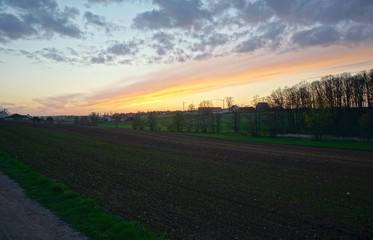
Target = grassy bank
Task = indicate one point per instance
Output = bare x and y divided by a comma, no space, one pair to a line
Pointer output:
339,144
81,214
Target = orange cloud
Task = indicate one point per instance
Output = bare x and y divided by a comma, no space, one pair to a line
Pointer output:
205,77
221,73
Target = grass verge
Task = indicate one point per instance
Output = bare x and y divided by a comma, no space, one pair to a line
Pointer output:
84,215
340,144
353,145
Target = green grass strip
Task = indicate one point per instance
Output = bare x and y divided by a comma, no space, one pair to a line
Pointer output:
83,215
353,145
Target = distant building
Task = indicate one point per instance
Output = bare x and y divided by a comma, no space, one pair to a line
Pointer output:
262,107
223,111
235,108
3,114
209,109
247,109
36,119
19,118
130,117
49,120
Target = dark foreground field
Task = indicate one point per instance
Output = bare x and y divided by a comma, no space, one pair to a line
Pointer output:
190,187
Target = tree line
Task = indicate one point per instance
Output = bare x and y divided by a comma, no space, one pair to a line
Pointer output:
339,105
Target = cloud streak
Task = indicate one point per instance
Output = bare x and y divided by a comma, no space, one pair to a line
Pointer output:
196,78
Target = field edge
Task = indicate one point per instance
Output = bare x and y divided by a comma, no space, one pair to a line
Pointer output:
348,145
83,215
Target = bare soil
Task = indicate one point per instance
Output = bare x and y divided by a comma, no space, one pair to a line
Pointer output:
23,218
191,187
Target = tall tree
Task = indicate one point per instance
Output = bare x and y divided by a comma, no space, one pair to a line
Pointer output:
206,103
179,121
229,101
152,120
191,107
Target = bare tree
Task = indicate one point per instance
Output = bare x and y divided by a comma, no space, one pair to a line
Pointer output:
94,118
255,100
277,98
229,101
236,110
358,90
117,118
191,107
4,110
369,89
152,120
347,89
206,103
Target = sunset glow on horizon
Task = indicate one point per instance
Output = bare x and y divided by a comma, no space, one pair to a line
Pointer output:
102,56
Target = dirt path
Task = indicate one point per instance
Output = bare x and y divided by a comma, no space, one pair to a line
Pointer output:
23,218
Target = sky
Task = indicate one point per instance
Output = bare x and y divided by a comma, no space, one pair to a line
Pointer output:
71,57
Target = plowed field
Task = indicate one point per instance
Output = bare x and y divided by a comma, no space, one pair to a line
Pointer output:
191,187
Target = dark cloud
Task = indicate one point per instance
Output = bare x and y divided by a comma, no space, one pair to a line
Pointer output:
154,19
172,14
98,60
179,30
216,39
71,12
323,35
7,51
273,31
255,12
184,13
27,54
120,49
320,11
163,43
53,54
210,42
249,45
357,32
104,1
162,36
32,4
124,48
12,27
50,24
202,56
94,19
37,18
102,59
98,21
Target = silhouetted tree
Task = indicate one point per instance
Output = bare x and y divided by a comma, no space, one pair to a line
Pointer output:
236,110
366,125
117,118
152,120
206,103
317,119
179,121
94,118
191,107
229,101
